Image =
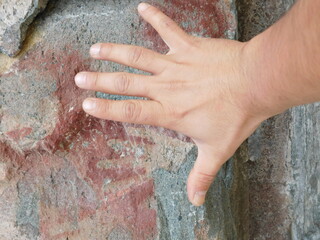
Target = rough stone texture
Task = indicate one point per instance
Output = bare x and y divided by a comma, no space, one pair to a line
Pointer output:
15,17
304,188
66,175
283,165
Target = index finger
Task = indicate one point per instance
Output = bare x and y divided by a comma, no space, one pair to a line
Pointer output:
169,31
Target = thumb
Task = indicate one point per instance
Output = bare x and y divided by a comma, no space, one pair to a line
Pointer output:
202,175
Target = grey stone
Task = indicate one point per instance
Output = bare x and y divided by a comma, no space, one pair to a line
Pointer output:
223,216
254,16
269,190
119,233
304,181
177,216
28,210
15,17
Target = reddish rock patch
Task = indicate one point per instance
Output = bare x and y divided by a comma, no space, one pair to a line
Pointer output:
131,209
61,64
204,18
16,135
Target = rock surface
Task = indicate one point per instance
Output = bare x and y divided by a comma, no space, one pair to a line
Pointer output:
15,17
66,175
283,154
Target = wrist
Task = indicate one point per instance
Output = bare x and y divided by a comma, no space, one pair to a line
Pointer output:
281,66
265,99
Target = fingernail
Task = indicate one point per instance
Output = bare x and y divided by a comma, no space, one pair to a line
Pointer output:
143,6
199,198
89,105
95,49
80,79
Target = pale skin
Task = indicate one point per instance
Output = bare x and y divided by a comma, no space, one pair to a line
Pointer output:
215,91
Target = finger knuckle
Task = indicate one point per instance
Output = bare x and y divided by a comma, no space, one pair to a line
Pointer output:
122,83
135,54
204,178
166,23
132,111
106,50
96,80
173,86
103,108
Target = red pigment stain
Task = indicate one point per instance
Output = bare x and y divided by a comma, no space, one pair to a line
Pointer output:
127,204
61,64
127,201
132,211
203,17
19,134
92,146
13,159
128,198
57,207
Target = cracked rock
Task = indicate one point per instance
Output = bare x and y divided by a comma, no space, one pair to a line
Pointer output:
15,17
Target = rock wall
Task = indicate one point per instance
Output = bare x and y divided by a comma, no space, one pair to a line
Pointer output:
15,17
66,175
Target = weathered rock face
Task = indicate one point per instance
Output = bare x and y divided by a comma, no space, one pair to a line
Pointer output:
15,17
283,164
66,175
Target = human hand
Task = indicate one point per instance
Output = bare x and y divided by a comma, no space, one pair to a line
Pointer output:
199,88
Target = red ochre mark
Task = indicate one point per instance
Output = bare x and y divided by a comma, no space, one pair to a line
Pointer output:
61,63
58,206
132,211
132,187
206,18
91,147
124,199
13,159
19,133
